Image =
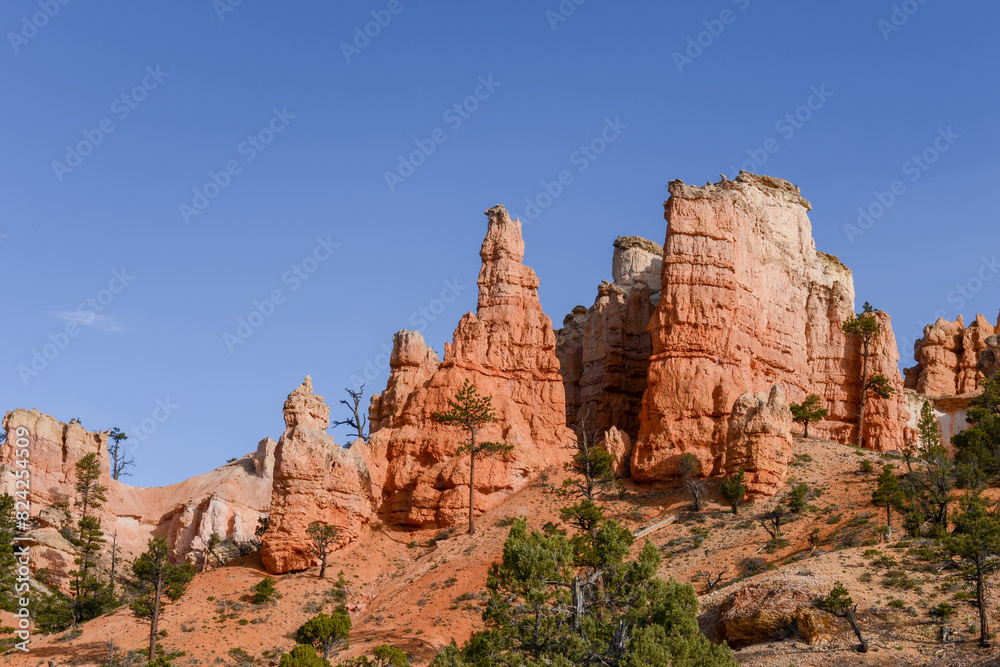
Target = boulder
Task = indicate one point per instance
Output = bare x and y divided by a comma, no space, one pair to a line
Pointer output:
772,611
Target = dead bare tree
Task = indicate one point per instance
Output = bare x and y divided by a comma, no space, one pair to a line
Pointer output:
771,522
691,472
358,420
712,583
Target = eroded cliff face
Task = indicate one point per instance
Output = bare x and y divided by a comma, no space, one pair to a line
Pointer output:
229,500
315,479
604,351
507,350
948,357
747,301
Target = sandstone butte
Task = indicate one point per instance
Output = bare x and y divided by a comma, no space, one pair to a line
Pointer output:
229,500
507,349
748,303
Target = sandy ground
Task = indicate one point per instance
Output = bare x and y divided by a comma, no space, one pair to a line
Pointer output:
418,592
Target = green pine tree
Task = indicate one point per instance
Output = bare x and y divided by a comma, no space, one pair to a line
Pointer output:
157,578
866,328
978,446
839,603
976,539
734,489
810,410
472,412
326,632
544,609
888,494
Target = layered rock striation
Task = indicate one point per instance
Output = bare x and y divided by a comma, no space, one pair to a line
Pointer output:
507,350
315,479
949,357
228,501
747,301
604,351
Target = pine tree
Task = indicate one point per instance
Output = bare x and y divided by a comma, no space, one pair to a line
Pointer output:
866,328
592,466
976,539
978,446
326,632
8,562
157,578
809,410
888,494
472,412
930,477
734,489
323,538
120,460
839,603
543,609
357,419
91,597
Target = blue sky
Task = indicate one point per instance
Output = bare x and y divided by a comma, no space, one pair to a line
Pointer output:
277,138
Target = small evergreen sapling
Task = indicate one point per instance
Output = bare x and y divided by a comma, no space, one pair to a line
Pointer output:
734,489
810,410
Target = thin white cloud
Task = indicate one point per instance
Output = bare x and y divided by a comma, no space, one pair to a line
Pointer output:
105,323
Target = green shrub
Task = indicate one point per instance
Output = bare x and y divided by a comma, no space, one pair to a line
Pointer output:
866,466
942,610
264,591
797,498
